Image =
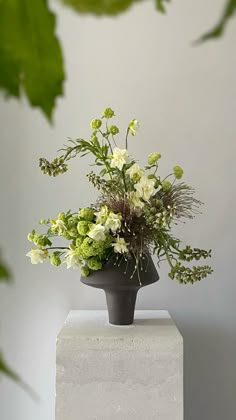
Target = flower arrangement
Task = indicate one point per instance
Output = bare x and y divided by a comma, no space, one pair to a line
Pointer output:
132,217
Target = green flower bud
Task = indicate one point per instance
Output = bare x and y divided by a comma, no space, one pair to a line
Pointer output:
94,264
178,172
166,185
86,214
153,158
83,227
95,124
84,271
113,129
30,236
42,221
151,176
55,259
61,216
108,113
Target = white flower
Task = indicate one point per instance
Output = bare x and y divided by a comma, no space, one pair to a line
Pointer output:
72,259
119,158
120,246
37,256
134,200
97,232
59,227
113,222
145,188
102,215
133,126
135,172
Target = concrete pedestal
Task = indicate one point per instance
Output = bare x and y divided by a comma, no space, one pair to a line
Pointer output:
107,372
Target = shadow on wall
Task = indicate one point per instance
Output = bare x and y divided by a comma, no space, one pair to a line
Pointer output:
207,372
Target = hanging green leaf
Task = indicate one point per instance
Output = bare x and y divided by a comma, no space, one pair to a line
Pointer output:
160,5
6,370
30,54
100,7
217,31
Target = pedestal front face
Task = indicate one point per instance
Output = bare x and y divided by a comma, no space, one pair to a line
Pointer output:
107,372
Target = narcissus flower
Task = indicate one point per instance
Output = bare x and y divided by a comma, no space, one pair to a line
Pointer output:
72,259
58,226
97,232
134,200
133,126
113,222
145,188
119,158
120,246
135,172
37,256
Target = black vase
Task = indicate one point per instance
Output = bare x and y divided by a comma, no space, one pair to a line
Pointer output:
121,283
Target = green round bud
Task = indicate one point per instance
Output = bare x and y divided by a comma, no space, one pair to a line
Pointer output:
95,124
55,259
94,264
166,185
83,227
178,172
113,129
84,271
108,113
86,214
61,216
153,158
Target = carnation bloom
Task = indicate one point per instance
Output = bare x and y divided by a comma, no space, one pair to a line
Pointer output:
135,172
97,232
72,259
113,222
37,255
153,158
145,188
120,246
133,126
119,158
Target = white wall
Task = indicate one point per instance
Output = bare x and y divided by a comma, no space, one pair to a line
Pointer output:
143,65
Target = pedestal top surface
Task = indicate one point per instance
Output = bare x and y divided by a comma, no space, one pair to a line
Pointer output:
86,324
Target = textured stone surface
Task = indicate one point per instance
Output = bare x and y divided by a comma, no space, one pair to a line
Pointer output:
107,372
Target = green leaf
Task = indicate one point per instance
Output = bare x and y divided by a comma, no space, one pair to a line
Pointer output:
100,7
7,371
160,5
30,54
218,29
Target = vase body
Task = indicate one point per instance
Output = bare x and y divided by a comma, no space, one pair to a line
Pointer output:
121,283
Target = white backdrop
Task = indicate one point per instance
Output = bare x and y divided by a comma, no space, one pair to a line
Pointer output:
143,65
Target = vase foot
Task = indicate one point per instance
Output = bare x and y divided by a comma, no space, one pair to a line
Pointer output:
121,306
